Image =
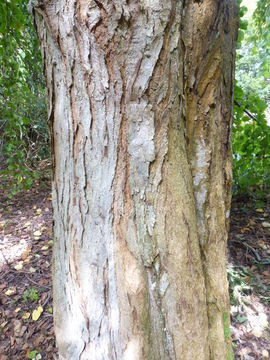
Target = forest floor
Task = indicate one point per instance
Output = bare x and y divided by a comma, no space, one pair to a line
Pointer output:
26,322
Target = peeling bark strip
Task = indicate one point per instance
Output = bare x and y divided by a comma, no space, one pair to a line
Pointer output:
140,106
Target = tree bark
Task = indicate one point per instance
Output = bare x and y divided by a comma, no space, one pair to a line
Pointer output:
140,108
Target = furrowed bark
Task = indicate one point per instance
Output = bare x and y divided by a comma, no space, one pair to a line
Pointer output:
209,42
139,101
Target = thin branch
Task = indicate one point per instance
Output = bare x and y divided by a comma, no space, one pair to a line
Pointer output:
245,111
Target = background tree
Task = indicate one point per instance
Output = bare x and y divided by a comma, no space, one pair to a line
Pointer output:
251,130
23,126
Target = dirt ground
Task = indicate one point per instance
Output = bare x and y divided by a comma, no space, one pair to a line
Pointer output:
26,321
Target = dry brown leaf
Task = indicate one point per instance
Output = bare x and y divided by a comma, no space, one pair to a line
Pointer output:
17,327
11,291
26,315
3,324
25,253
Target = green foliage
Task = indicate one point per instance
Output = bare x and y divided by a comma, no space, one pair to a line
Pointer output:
251,141
243,282
30,295
238,286
262,19
34,354
251,132
23,128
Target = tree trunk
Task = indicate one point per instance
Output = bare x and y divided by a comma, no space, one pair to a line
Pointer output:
140,107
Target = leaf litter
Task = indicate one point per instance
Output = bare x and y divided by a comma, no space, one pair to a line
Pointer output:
249,278
26,321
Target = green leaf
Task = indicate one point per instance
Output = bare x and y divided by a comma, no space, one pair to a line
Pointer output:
241,318
32,354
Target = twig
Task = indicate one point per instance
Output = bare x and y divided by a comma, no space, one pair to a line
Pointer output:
245,111
253,250
34,282
248,247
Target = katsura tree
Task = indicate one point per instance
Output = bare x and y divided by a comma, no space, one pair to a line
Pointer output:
140,107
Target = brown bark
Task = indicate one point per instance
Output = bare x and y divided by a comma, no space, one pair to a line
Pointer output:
140,107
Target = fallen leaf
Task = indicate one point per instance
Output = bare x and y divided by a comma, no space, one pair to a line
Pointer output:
2,224
17,309
38,211
39,340
3,324
241,318
244,229
25,346
244,351
32,354
27,224
17,327
37,234
19,340
50,242
11,291
43,282
265,355
50,310
266,224
262,244
25,253
36,313
260,210
12,340
26,315
45,247
32,270
19,266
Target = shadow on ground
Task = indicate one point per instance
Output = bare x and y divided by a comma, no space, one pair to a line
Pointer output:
26,322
